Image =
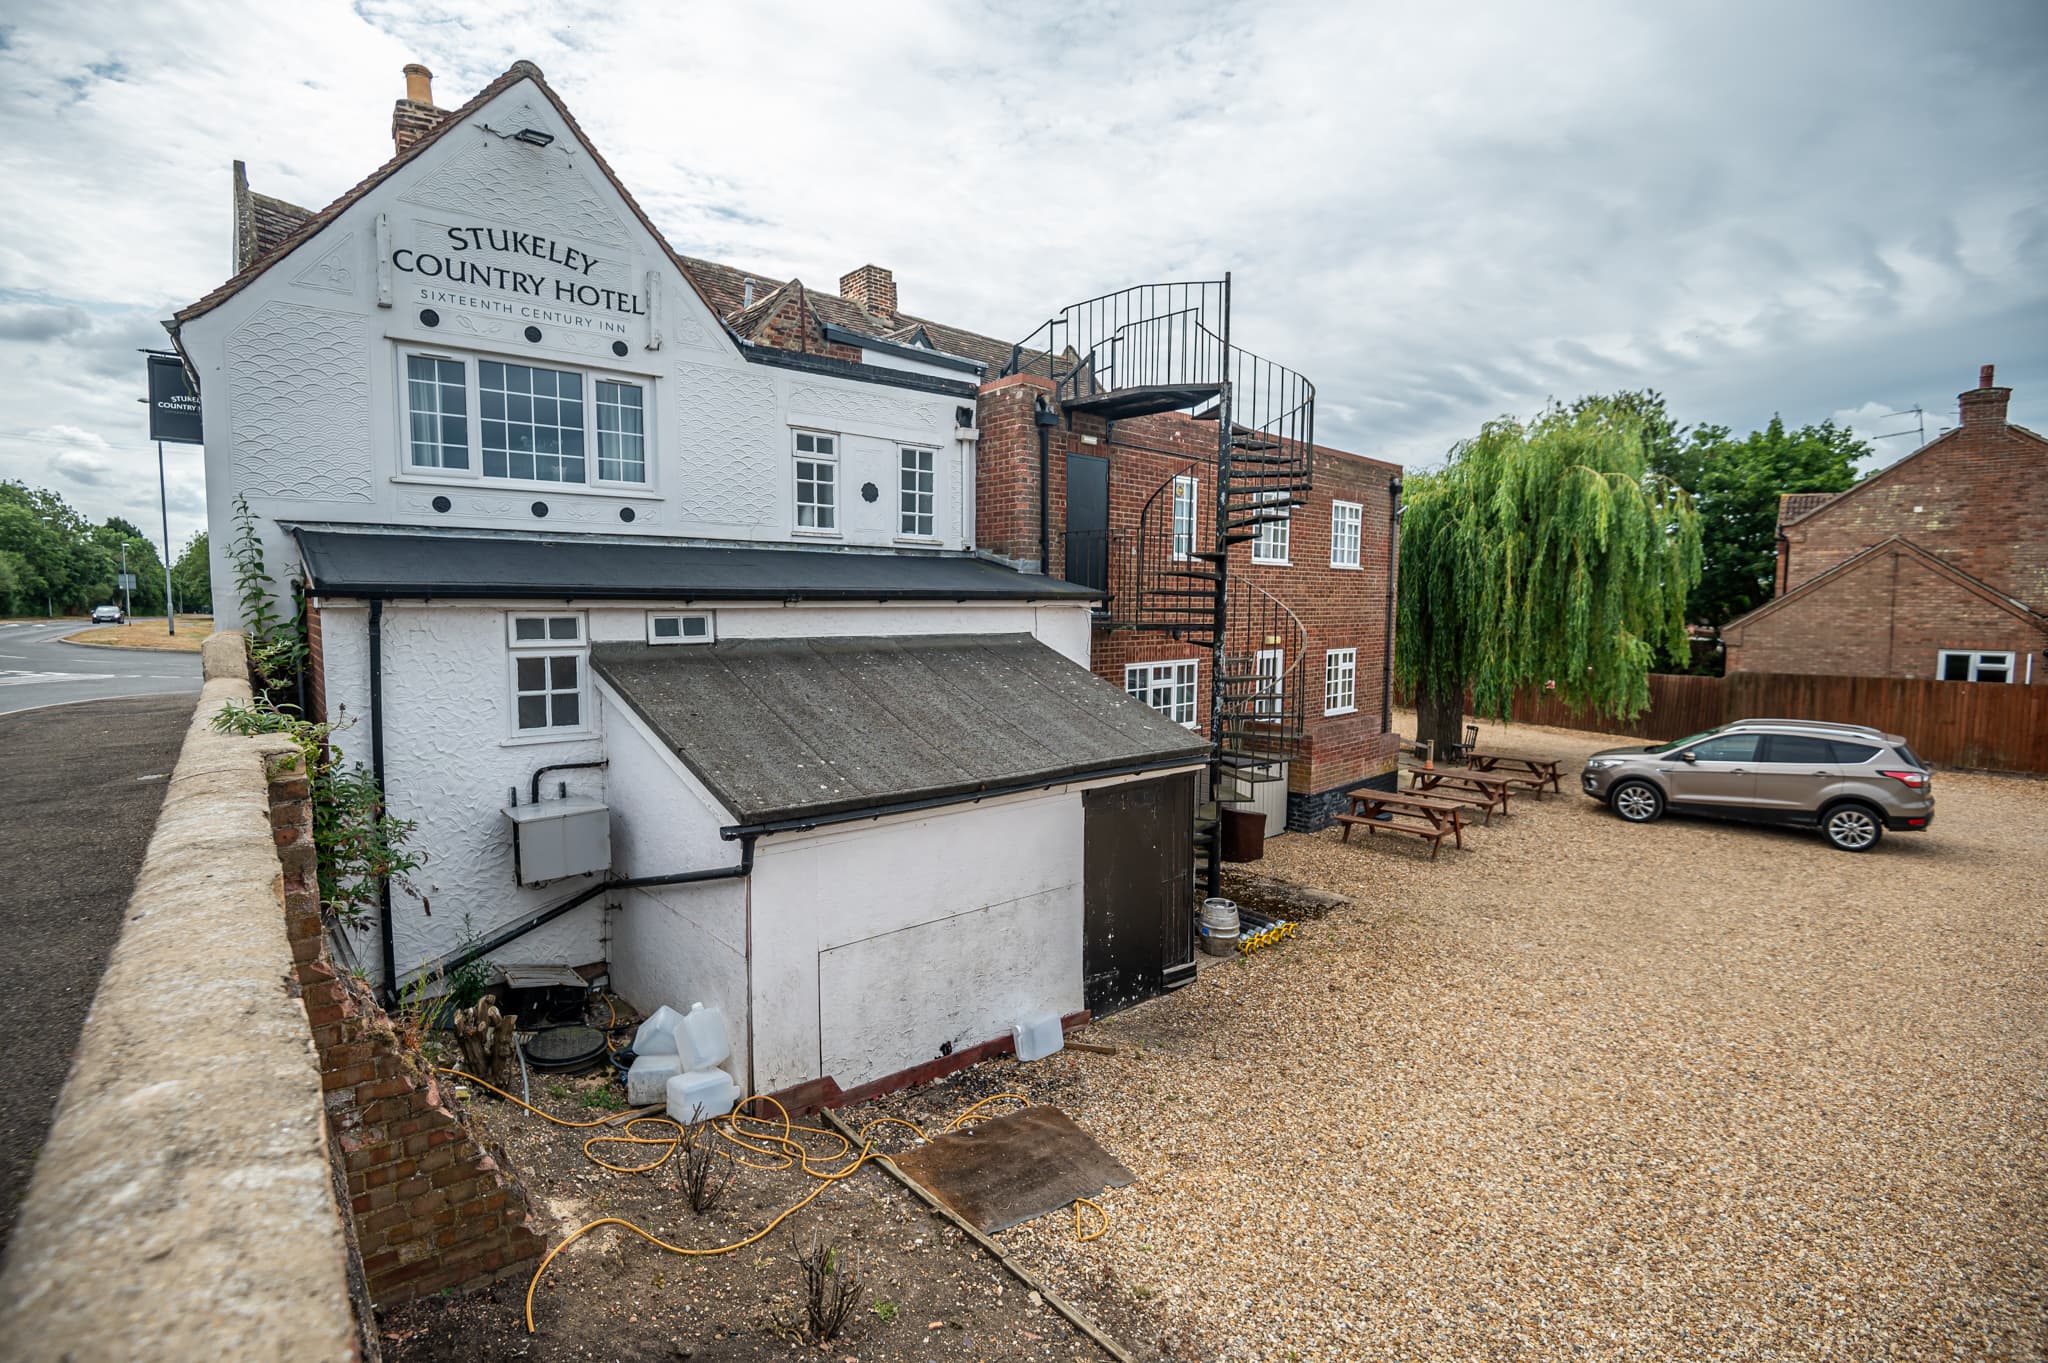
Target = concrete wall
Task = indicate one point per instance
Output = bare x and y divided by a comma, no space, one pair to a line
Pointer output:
183,1207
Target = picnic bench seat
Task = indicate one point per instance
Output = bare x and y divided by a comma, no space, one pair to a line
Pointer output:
1391,811
1534,773
1483,791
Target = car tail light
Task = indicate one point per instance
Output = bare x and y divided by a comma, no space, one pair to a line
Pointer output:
1911,780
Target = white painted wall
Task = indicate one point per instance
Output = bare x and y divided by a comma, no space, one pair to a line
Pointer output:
302,381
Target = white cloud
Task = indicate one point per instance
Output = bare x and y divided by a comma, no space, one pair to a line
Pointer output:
1437,215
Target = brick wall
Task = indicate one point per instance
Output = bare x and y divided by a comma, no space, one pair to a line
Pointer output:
1888,615
431,1209
1340,608
1977,497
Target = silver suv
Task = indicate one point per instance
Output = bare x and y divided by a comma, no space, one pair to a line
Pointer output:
1851,781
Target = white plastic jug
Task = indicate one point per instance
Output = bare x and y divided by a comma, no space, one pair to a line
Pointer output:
647,1081
657,1035
701,1038
695,1095
1038,1036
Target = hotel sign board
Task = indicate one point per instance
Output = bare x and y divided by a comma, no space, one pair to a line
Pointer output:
520,277
173,406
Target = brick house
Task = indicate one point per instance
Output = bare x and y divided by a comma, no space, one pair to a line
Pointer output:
1936,567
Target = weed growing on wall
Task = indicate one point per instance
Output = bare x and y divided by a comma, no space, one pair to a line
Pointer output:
356,841
277,646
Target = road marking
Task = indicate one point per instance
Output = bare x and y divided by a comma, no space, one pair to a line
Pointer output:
14,677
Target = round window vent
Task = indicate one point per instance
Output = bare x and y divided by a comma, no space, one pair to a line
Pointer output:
442,504
869,492
533,333
619,349
429,318
540,508
626,514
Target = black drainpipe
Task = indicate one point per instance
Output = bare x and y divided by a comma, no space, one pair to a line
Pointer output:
377,775
1047,415
1393,560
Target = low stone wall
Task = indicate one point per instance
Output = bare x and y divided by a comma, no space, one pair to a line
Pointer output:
182,1207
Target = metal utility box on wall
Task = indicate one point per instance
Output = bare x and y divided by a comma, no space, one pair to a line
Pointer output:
557,838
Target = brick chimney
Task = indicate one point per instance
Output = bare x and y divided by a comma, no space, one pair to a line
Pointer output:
415,116
1985,404
873,287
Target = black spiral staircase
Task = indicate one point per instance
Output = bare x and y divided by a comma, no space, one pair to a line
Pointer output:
1166,348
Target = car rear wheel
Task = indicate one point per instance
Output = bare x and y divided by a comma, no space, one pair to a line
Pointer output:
1853,828
1637,801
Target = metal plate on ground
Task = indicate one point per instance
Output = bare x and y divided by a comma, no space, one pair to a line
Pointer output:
1021,1165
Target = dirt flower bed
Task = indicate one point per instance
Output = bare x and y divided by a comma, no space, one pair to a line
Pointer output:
928,1292
1587,1090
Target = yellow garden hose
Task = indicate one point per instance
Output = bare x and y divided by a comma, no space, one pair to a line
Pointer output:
1096,1234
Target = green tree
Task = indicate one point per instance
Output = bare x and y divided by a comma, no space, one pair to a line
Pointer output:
110,537
1550,552
1736,485
192,576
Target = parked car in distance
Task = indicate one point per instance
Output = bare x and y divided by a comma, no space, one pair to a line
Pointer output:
1851,782
106,615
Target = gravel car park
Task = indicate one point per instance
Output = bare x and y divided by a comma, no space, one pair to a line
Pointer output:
1594,1090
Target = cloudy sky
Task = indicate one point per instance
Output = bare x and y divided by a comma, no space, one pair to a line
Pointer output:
1812,209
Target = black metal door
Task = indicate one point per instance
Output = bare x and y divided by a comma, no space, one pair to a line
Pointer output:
1088,520
1137,896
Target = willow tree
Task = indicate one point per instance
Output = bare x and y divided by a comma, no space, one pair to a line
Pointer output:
1545,554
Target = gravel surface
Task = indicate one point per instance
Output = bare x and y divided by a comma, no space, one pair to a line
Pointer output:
1594,1091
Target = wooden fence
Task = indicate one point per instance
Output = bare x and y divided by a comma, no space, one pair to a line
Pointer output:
1987,725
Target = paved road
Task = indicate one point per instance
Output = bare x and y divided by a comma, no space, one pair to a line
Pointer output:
37,669
80,788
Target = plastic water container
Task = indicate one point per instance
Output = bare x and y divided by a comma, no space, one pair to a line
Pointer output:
647,1081
657,1035
1038,1036
701,1038
695,1095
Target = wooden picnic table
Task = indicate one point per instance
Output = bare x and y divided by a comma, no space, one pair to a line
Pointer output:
1485,791
1391,811
1533,772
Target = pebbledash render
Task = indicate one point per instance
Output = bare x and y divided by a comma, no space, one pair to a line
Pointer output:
683,612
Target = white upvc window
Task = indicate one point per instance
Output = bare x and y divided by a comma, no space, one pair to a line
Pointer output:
1270,694
817,482
1187,493
916,496
1340,681
1168,688
1962,664
1270,544
1347,533
474,417
549,674
680,627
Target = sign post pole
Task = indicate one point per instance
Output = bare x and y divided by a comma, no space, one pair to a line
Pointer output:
173,416
126,604
164,503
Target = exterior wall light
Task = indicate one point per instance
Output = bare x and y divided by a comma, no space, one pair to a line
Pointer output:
533,137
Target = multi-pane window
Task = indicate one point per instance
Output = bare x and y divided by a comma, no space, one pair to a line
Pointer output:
915,497
817,481
621,433
437,403
1956,664
1347,520
1270,546
1340,681
532,422
1186,494
547,673
1270,692
1168,688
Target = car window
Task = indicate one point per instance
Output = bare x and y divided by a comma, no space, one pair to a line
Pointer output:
1912,758
1726,748
1798,748
1675,744
1853,754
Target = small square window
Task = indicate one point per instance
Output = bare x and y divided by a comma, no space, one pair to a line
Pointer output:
673,628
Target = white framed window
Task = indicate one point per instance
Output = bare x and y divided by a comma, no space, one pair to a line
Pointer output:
817,482
526,423
1340,681
1187,493
549,677
1269,696
680,627
916,500
1962,664
1347,533
1270,544
1168,688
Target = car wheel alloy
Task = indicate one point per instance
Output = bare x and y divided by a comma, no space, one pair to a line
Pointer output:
1637,802
1852,828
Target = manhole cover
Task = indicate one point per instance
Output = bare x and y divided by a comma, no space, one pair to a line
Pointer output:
565,1048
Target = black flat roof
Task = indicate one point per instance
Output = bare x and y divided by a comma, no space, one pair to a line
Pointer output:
796,731
392,562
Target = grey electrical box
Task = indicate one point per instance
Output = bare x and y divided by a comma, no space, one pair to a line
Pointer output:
556,838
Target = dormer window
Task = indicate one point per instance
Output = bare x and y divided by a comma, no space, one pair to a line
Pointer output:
532,423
